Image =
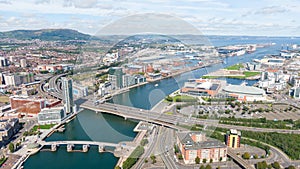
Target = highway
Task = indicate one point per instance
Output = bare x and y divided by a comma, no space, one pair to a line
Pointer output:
149,150
171,121
166,148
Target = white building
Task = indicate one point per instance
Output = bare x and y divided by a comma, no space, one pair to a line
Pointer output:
23,62
51,115
18,78
79,90
272,81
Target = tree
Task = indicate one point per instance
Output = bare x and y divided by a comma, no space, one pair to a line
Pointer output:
208,167
211,160
246,156
11,147
291,167
197,160
204,160
180,156
117,167
276,165
220,159
255,156
153,158
202,167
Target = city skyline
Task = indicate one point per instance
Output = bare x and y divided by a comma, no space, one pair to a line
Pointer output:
211,17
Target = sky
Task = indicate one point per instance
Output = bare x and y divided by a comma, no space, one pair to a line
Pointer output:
211,17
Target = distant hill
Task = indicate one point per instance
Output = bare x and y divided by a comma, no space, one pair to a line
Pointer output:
46,35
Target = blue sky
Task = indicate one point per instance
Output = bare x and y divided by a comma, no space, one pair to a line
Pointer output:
211,17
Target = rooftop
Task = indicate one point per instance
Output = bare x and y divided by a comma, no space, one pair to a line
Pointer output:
244,90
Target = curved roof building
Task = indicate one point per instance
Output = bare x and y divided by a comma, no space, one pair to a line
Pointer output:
247,90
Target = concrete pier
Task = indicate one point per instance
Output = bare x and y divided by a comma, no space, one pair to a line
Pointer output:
101,149
85,148
70,147
53,147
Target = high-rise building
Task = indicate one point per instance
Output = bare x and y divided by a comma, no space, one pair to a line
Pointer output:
233,138
115,77
68,94
3,62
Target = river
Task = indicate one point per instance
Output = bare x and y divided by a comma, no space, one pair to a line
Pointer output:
104,127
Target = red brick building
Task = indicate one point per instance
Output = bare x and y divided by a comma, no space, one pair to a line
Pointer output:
27,105
195,144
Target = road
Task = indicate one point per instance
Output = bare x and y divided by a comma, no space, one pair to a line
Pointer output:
149,150
170,120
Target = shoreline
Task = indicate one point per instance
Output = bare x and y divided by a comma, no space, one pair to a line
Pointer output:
122,159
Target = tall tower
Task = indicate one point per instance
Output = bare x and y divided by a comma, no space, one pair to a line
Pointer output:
67,94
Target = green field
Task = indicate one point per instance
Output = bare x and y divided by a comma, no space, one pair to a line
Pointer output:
246,75
250,74
46,126
181,98
235,67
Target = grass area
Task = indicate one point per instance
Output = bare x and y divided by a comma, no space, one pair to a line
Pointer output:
169,113
4,99
246,75
286,142
133,158
46,126
235,67
250,74
181,98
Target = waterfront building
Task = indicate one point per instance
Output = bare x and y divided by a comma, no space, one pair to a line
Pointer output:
129,80
8,128
51,115
67,89
196,144
245,93
276,62
115,77
154,76
233,138
202,87
104,88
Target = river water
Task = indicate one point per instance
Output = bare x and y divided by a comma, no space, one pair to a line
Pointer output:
109,128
